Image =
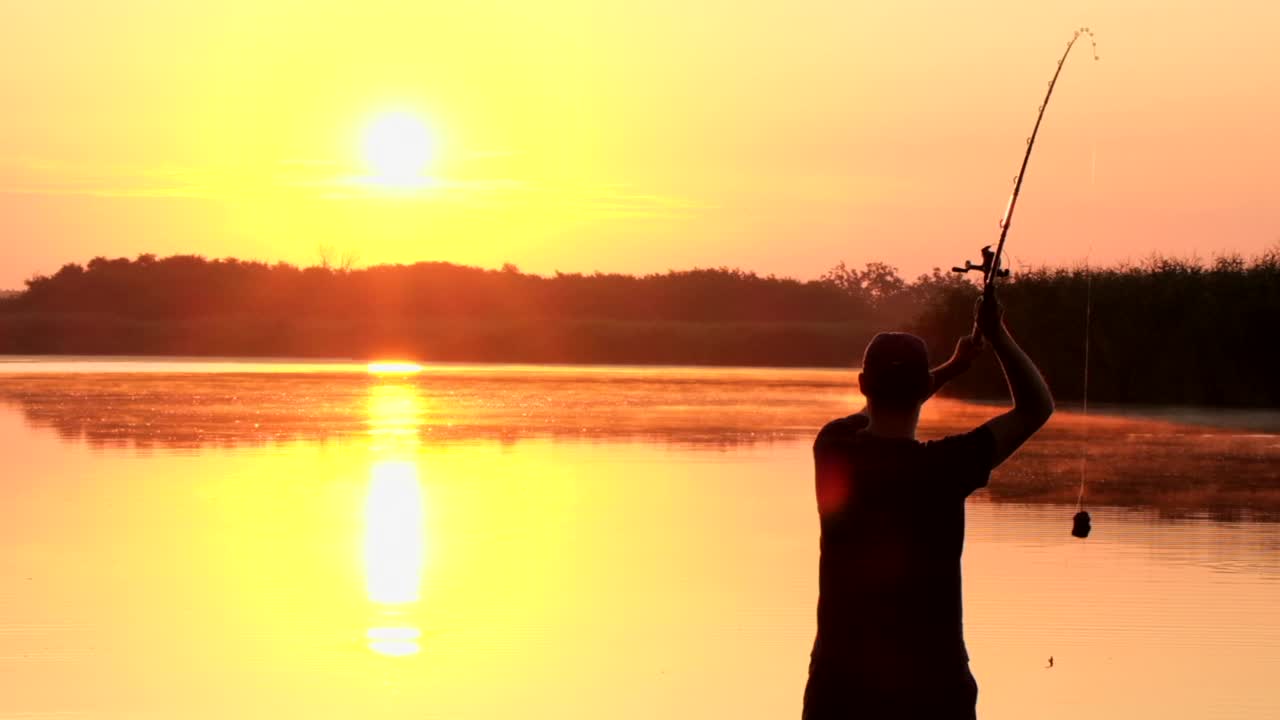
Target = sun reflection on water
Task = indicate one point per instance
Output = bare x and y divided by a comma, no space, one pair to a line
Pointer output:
395,525
394,641
393,544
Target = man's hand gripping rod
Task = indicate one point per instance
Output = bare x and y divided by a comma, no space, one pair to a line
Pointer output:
990,269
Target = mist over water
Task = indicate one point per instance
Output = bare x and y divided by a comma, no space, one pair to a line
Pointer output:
311,540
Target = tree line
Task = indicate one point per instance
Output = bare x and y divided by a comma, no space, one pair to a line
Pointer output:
1164,330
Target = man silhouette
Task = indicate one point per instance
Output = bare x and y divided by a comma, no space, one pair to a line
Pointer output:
890,640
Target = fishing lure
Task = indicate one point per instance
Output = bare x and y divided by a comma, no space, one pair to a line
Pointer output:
991,259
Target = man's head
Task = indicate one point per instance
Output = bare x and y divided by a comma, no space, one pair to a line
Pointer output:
895,372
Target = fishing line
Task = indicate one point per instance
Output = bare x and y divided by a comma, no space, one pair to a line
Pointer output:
1081,524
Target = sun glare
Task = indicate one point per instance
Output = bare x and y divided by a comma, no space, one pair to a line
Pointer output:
397,148
391,368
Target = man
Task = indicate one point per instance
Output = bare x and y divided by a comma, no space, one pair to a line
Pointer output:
890,640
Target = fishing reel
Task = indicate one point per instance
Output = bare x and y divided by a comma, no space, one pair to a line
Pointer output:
988,260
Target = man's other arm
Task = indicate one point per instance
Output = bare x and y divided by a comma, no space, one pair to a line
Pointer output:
967,349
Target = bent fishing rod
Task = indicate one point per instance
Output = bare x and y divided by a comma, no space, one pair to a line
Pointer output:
990,267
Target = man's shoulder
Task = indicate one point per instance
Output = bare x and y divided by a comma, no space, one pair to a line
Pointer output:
841,429
969,455
979,437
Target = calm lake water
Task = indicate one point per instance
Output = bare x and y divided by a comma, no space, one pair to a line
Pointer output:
278,540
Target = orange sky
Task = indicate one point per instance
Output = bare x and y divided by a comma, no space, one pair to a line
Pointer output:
578,135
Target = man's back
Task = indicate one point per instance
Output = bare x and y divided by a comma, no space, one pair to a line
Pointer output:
890,638
892,518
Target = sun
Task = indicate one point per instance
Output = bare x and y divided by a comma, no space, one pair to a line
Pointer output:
397,148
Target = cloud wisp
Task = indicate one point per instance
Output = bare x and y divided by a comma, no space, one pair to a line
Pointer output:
302,178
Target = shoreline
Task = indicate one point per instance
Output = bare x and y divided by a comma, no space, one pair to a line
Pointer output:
1261,418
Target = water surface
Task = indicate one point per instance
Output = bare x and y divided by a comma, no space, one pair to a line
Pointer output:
294,539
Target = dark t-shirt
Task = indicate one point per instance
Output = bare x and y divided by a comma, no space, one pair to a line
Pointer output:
892,516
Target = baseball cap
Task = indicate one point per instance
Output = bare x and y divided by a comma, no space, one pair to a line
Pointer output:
896,356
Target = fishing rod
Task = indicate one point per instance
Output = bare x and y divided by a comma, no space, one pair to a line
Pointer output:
990,267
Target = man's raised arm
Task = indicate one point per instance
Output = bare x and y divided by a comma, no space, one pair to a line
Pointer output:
1032,402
